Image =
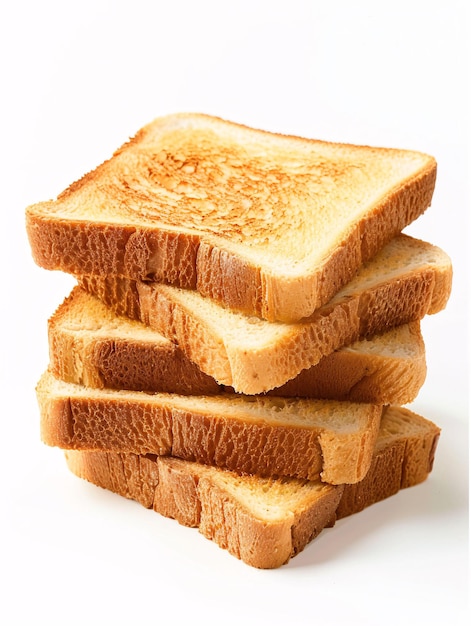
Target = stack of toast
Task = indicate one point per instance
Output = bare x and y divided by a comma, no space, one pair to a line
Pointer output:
245,328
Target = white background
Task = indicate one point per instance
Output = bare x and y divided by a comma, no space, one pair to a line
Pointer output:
77,80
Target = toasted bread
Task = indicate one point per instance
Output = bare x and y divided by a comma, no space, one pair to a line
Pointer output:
251,434
266,224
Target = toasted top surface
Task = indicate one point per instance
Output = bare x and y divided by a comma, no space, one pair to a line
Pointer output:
402,341
398,421
198,174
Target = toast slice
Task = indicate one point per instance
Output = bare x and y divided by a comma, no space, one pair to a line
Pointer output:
91,346
264,521
267,224
250,434
406,280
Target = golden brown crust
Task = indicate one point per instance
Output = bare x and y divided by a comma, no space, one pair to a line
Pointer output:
421,443
255,542
224,435
130,475
79,247
442,288
404,300
382,481
255,448
176,494
167,245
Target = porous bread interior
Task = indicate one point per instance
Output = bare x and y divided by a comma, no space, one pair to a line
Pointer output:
226,182
336,416
403,342
399,422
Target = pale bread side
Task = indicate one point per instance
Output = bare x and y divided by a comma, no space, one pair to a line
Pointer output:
263,522
267,224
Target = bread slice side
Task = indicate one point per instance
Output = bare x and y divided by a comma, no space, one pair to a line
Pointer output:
254,356
257,435
267,224
262,521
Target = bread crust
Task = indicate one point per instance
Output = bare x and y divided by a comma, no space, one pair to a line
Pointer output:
204,260
404,456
